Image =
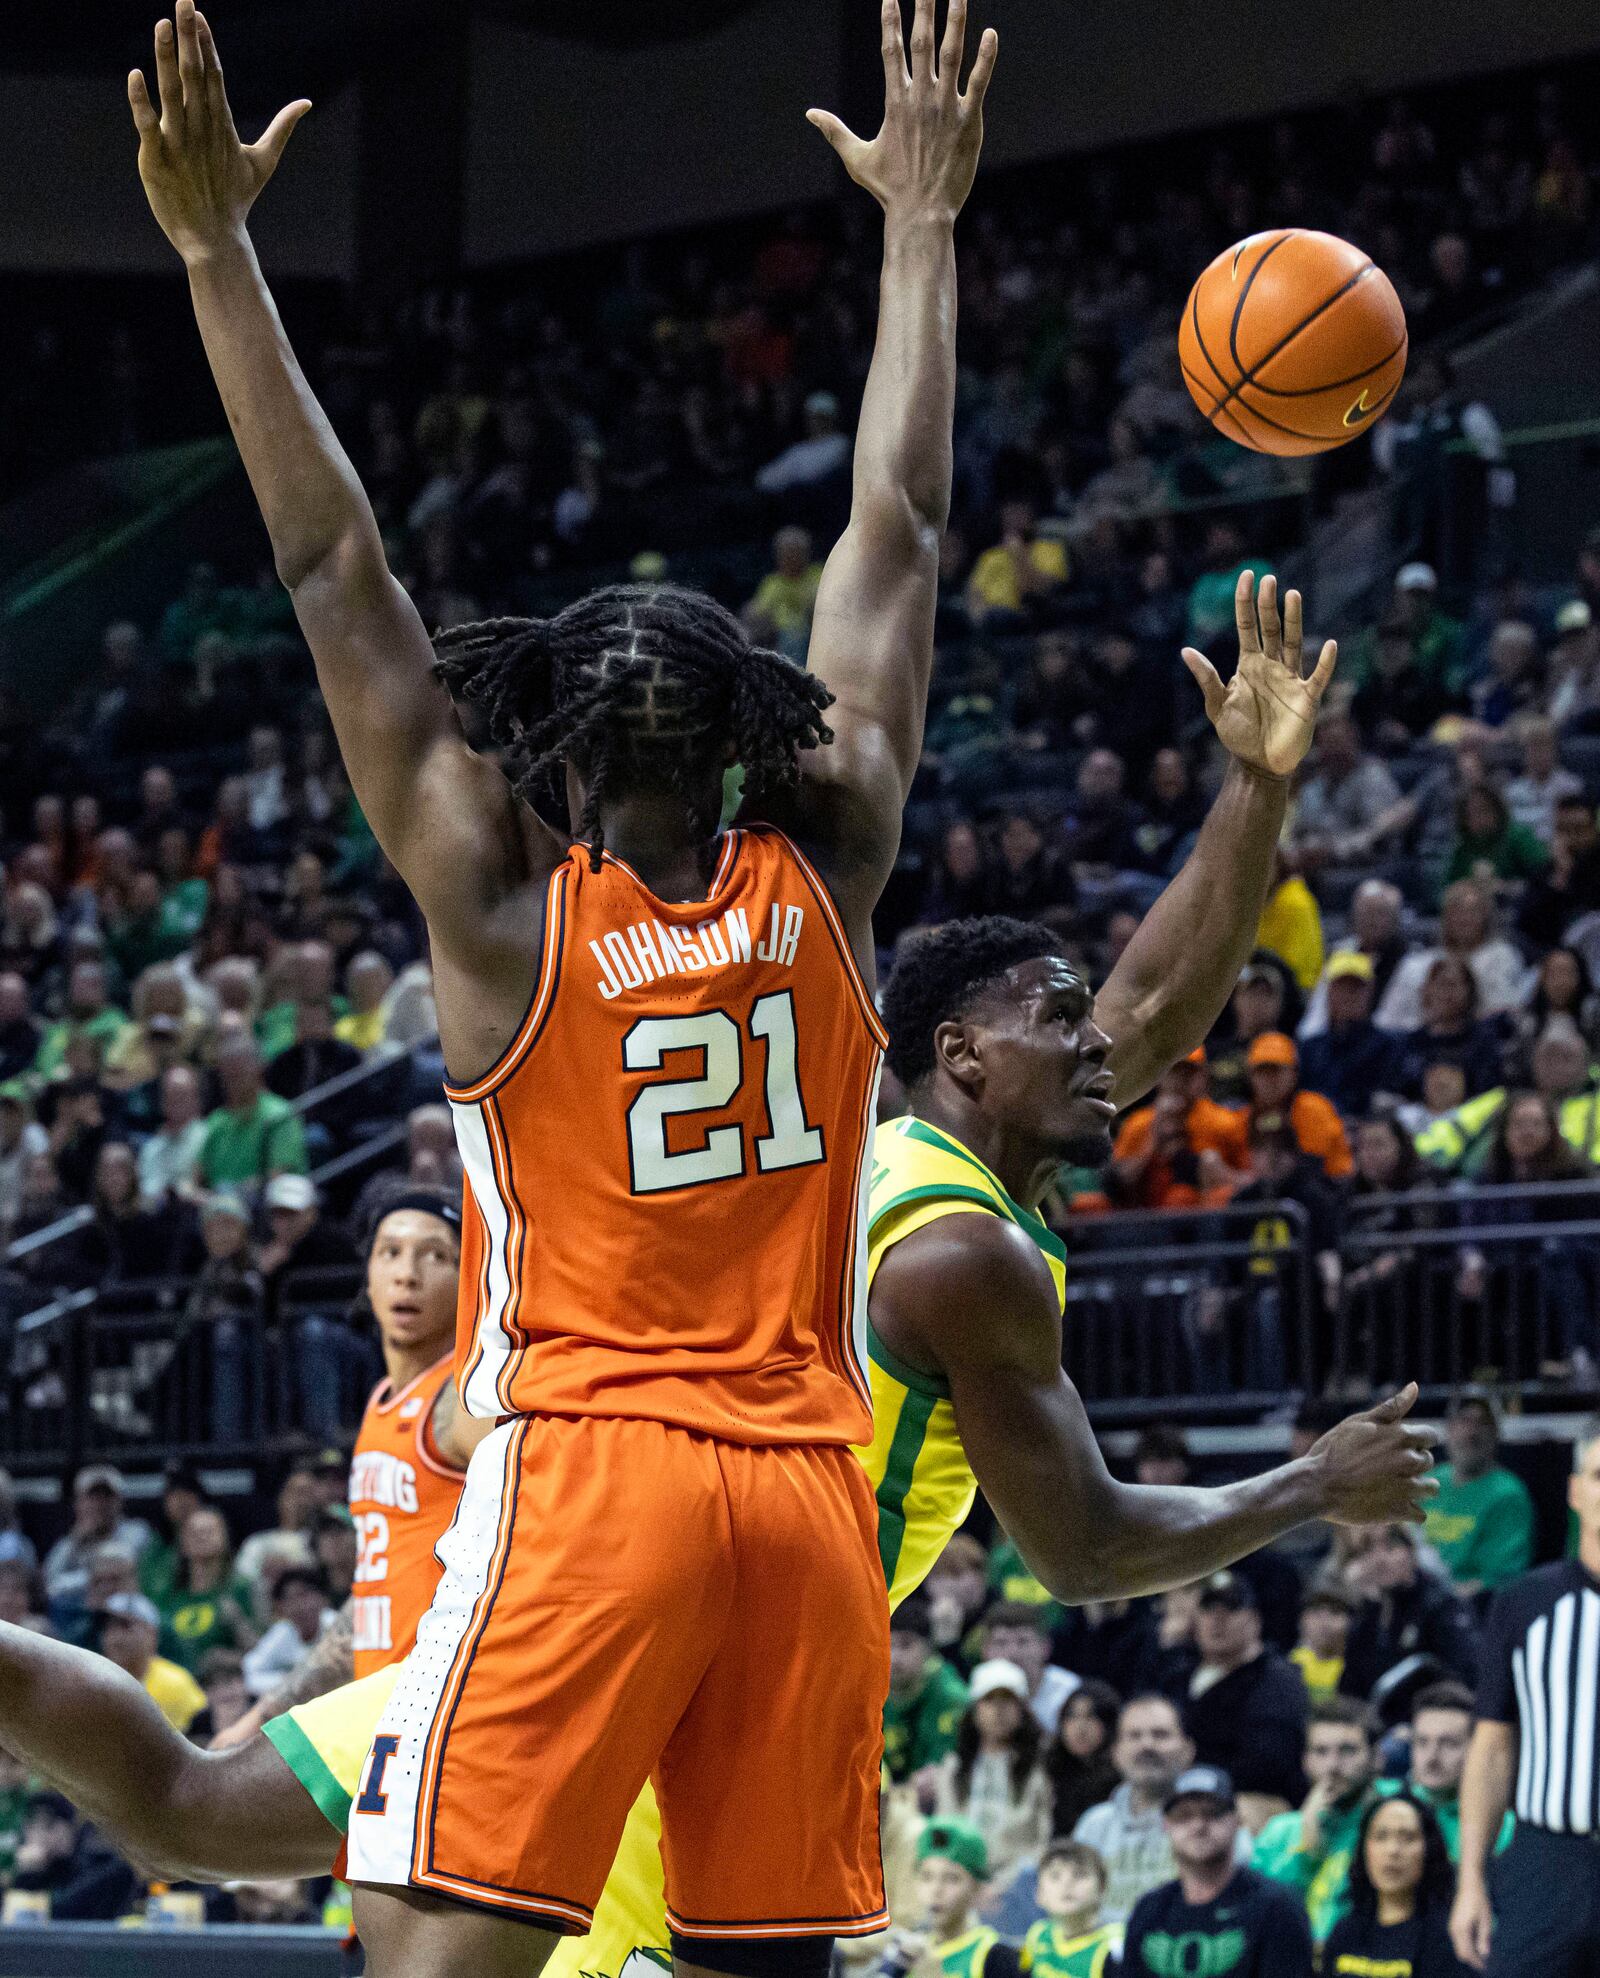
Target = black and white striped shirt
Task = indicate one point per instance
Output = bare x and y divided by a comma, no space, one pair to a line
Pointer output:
1541,1672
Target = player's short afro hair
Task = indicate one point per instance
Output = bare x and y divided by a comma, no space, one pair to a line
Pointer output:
939,972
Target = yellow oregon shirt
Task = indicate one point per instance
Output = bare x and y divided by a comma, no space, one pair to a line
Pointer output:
924,1487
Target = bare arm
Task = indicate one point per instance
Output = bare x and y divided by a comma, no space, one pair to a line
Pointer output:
1485,1796
1179,969
445,817
872,632
969,1297
456,1434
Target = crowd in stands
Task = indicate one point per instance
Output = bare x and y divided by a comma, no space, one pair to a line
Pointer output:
199,938
1067,1761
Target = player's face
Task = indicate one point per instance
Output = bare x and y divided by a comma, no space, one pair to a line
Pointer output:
1044,1060
412,1277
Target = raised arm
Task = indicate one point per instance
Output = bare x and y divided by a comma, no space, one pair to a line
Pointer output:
872,632
446,818
1179,969
970,1298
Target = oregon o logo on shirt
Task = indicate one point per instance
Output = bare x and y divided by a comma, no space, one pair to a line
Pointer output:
1196,1954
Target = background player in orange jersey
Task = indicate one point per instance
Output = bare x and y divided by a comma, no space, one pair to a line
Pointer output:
411,1452
664,1056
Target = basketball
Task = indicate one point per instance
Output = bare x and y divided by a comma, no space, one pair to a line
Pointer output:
1293,342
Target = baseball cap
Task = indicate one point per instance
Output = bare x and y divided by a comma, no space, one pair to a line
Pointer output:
1574,616
99,1476
162,1025
291,1191
958,1841
132,1607
1201,1782
224,1203
1272,1047
1260,972
998,1674
1352,963
1416,577
1228,1590
1330,1593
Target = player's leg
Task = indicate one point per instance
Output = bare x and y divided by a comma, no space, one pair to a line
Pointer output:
586,1578
184,1813
407,1933
769,1786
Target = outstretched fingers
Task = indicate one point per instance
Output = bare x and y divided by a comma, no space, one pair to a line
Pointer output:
145,120
1271,622
1206,678
191,70
954,48
894,44
167,84
216,91
922,42
982,68
1322,672
1244,612
836,131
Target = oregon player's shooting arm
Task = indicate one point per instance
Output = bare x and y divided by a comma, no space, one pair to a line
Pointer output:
971,1299
872,629
1180,968
446,817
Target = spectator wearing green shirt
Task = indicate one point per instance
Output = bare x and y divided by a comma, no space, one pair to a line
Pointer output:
1211,595
1011,1581
1435,638
206,1605
1310,1850
926,1699
1481,1521
1490,843
184,896
253,1134
1441,1729
15,1792
89,1010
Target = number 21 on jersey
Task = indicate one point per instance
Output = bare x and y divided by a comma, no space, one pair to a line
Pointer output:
721,1154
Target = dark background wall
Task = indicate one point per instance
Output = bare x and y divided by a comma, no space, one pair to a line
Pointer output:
563,141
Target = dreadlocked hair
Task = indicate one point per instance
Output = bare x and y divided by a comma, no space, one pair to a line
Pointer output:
637,685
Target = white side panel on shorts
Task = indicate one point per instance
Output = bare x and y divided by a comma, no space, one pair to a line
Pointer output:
382,1844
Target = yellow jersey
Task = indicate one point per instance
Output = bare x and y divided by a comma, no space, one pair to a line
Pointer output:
924,1486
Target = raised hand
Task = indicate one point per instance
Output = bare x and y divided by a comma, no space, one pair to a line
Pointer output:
1266,714
1374,1466
925,157
201,181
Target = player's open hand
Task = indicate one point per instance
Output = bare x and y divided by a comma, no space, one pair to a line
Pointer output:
1267,713
201,181
923,161
1373,1467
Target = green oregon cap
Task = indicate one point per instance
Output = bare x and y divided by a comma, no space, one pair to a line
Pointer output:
958,1841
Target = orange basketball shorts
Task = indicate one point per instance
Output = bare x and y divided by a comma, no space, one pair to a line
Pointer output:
620,1601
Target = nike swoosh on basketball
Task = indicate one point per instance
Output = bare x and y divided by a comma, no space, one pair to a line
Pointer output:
1358,411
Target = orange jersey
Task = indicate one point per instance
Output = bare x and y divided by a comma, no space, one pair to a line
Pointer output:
666,1171
403,1495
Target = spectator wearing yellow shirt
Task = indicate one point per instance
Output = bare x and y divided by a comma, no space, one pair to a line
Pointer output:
1020,571
780,612
1291,926
367,982
1325,1622
128,1636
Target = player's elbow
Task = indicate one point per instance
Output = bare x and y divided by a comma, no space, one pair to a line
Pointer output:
904,519
349,567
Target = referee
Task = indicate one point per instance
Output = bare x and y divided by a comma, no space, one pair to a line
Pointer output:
1537,1748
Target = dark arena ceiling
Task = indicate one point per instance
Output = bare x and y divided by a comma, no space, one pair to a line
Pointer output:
310,44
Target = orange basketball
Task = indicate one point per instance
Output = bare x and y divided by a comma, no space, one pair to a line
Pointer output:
1293,342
